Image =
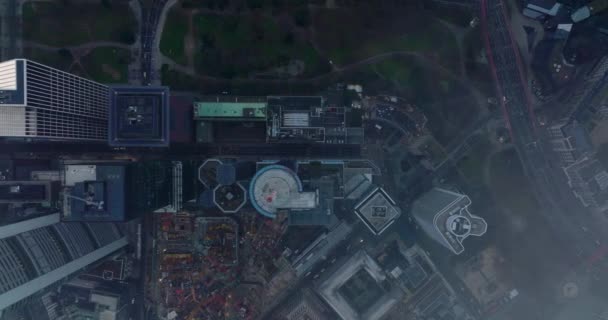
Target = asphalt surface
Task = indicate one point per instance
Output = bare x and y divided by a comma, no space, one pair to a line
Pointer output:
150,18
563,213
181,151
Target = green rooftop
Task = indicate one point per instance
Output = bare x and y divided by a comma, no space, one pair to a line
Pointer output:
256,111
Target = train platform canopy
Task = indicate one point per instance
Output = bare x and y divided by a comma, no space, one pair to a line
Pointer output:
139,117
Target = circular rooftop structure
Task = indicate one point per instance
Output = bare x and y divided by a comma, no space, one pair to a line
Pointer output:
459,226
272,188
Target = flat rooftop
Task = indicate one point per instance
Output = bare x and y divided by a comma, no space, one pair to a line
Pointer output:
356,290
219,110
230,198
139,116
94,193
378,211
298,119
445,216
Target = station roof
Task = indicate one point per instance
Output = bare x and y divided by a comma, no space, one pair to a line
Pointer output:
139,116
254,111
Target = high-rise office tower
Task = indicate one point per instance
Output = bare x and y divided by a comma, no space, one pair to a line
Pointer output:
36,256
40,102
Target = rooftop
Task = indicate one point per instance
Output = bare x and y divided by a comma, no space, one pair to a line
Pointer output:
445,216
94,193
304,305
25,192
12,84
230,198
308,119
253,111
277,187
356,290
207,172
378,211
139,116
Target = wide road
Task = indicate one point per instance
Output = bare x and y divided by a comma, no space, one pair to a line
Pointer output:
577,236
149,28
184,151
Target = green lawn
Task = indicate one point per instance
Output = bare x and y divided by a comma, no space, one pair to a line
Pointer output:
399,71
448,105
59,24
50,58
174,32
456,15
233,46
107,65
472,165
350,35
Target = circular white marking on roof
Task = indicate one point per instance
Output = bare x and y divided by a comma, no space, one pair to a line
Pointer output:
272,188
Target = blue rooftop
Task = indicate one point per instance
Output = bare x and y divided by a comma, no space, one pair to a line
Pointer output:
139,117
102,199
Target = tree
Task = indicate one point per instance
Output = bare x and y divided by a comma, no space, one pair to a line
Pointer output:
126,36
106,4
255,4
302,17
65,53
288,38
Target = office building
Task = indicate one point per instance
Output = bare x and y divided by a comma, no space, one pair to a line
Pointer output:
592,8
230,119
309,120
37,257
318,250
359,289
378,211
589,182
139,117
444,216
276,189
94,192
570,141
427,294
538,9
40,102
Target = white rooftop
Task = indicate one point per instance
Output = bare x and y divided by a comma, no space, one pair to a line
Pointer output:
277,187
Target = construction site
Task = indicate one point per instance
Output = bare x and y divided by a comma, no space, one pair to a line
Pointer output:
214,267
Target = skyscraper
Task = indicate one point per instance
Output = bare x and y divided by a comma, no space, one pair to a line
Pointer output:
444,216
37,257
37,101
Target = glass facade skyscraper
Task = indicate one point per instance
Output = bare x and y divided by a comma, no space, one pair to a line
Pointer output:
37,101
36,257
